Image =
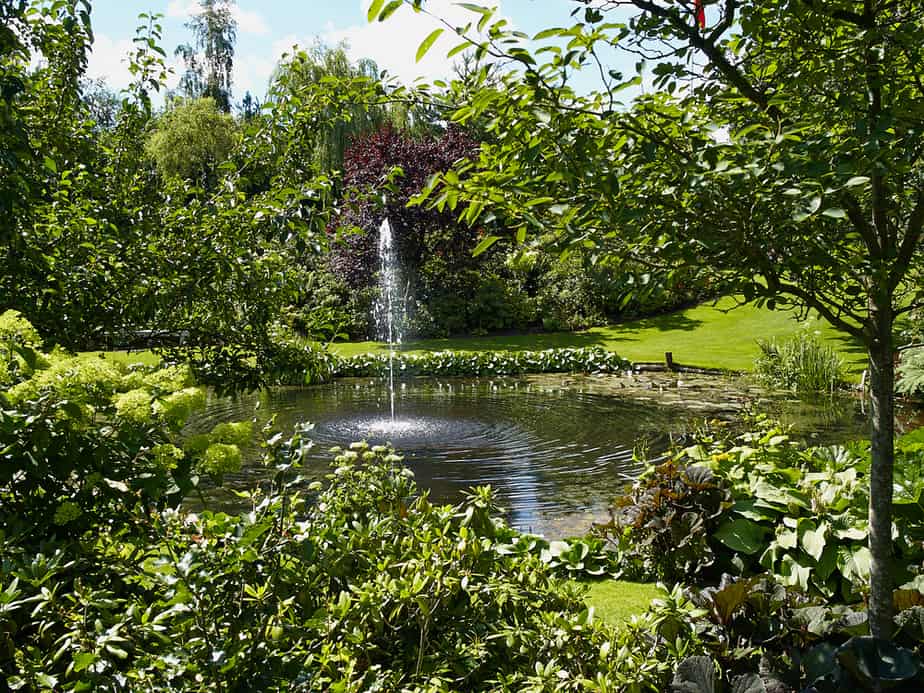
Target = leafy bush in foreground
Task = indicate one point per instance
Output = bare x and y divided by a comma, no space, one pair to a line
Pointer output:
485,363
85,440
758,503
368,587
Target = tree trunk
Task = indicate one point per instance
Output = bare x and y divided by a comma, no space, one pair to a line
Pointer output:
882,395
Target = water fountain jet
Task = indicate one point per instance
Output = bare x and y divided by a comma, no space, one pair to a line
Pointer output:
388,305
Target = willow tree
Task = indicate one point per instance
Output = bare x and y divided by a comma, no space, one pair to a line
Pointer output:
781,150
360,98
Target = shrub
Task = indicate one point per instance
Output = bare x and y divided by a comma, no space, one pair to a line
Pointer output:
484,363
803,364
798,514
663,526
367,587
85,441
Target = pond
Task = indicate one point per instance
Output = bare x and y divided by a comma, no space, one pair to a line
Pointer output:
556,450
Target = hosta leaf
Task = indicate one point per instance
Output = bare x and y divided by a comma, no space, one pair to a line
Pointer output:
794,573
742,535
694,675
813,540
855,564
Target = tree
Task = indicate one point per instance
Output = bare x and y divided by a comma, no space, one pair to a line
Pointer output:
210,60
396,165
190,140
782,152
43,53
319,68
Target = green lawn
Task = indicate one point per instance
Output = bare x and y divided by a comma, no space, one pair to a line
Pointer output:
616,600
142,356
710,335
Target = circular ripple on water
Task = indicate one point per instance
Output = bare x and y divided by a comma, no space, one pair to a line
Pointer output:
555,457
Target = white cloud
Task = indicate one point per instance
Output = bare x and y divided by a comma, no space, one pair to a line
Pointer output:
251,73
393,44
248,21
109,61
182,9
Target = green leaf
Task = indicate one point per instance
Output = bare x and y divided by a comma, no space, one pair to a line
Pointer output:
694,675
458,49
856,180
82,660
548,33
813,540
484,244
46,680
374,9
834,213
473,8
390,9
855,564
794,573
427,43
742,535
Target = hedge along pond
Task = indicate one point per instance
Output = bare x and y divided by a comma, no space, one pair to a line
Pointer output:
556,449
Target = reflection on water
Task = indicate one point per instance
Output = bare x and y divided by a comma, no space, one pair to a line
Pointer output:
555,455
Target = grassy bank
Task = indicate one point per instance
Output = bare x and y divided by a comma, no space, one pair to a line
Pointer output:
615,601
710,335
717,335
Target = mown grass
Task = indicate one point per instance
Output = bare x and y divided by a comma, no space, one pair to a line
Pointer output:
615,601
711,335
142,356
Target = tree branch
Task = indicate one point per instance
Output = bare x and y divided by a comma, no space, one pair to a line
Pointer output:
854,18
715,54
909,243
860,223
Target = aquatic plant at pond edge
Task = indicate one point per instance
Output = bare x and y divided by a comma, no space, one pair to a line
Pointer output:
485,363
802,363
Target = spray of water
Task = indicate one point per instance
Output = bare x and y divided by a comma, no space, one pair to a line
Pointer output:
388,304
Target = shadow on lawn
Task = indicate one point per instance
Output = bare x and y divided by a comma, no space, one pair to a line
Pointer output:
672,322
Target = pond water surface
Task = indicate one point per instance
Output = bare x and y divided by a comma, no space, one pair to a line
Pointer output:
556,450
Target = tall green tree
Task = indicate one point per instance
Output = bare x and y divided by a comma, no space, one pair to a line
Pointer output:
317,69
43,54
210,59
781,151
190,140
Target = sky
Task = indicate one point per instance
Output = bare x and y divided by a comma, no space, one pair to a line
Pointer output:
268,29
